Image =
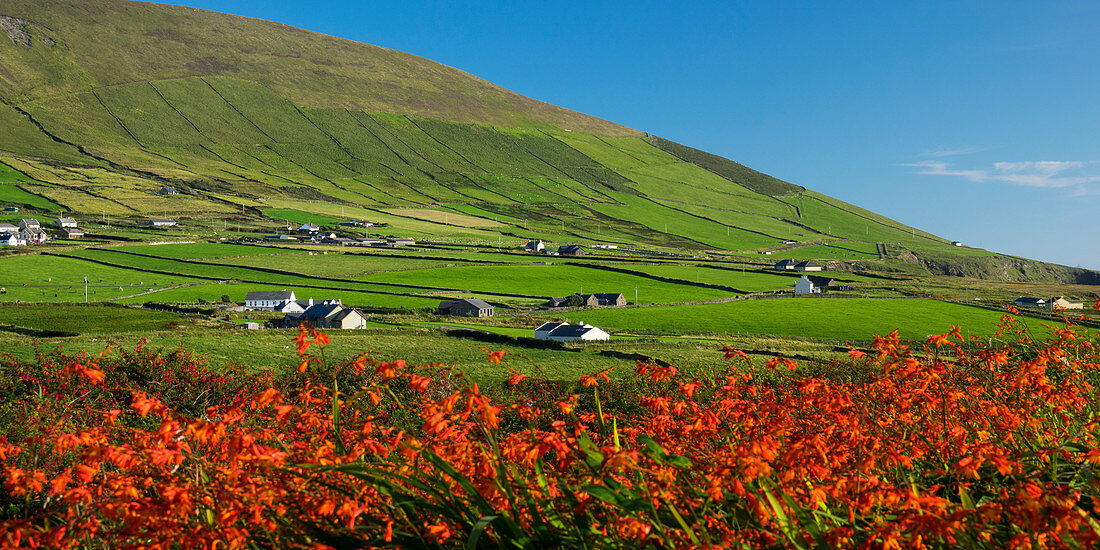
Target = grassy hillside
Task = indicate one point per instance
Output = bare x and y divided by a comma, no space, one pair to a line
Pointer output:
258,125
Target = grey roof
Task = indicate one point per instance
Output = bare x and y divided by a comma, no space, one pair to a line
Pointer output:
347,311
570,249
808,263
1026,300
609,295
549,326
567,330
161,220
320,311
66,220
30,221
268,295
785,263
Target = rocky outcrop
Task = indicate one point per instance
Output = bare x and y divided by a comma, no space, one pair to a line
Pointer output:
16,29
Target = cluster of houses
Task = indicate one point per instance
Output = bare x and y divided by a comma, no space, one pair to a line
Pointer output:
539,247
793,265
1053,304
321,314
580,300
312,233
30,231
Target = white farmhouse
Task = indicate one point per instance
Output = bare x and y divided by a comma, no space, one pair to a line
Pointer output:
805,286
268,300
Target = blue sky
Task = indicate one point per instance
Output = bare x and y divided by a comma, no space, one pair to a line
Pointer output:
977,121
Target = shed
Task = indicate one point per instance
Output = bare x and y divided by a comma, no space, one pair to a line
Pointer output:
468,307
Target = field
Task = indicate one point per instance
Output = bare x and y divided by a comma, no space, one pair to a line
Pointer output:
830,318
87,319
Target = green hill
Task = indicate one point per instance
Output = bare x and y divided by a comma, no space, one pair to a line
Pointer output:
104,102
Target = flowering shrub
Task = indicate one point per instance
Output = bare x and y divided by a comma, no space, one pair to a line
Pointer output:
949,443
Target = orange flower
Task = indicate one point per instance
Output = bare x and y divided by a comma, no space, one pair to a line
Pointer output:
516,378
438,532
495,356
856,354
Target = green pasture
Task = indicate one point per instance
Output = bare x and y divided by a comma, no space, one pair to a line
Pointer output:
201,251
274,349
855,319
847,250
12,194
88,319
750,280
9,174
552,280
39,278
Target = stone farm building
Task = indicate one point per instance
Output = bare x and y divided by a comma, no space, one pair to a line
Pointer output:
469,307
327,315
268,300
565,332
598,299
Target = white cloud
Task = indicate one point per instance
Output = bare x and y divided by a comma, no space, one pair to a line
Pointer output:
1046,173
952,152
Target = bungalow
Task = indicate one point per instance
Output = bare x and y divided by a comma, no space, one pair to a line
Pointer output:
785,265
161,222
805,286
543,331
534,246
565,332
70,233
1062,303
808,265
167,190
65,222
1030,302
8,228
571,250
30,223
309,228
468,307
12,239
328,316
268,300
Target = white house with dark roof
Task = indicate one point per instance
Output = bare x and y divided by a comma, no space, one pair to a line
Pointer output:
808,265
785,265
65,223
534,246
1030,302
268,300
161,222
12,239
565,332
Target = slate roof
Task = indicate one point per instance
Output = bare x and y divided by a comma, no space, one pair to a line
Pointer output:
783,264
571,249
549,326
269,295
808,263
